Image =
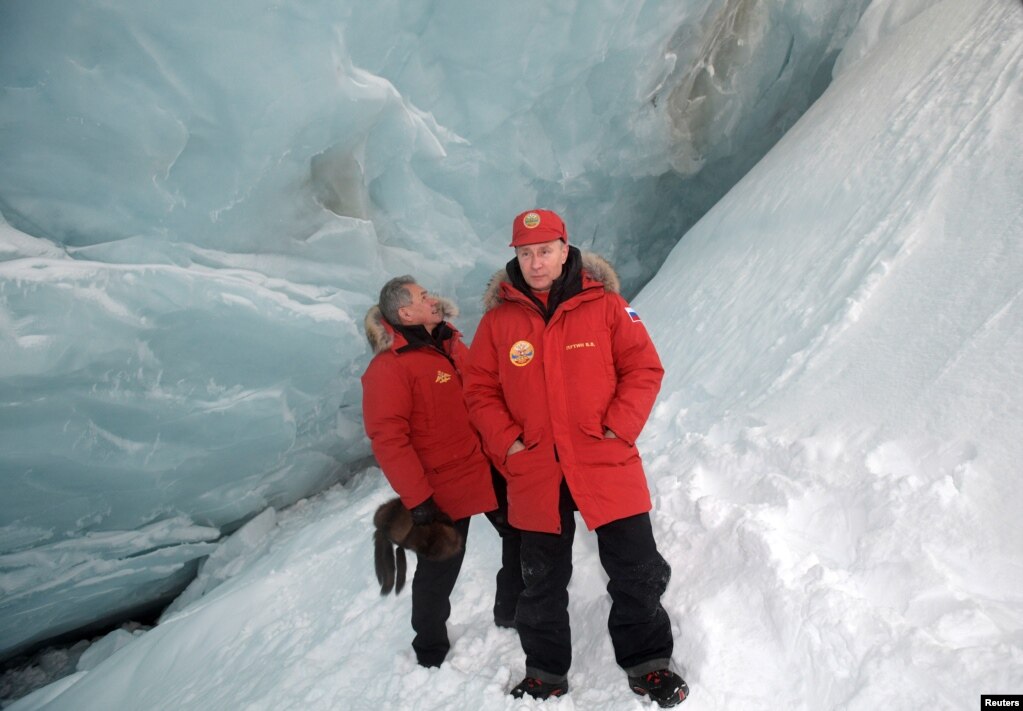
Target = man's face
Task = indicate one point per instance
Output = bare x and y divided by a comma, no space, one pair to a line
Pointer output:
541,263
424,309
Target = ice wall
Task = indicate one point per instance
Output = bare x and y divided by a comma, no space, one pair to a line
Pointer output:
201,200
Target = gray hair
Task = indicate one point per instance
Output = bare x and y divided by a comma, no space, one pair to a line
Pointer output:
393,296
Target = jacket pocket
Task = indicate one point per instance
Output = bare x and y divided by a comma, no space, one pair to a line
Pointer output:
526,459
597,450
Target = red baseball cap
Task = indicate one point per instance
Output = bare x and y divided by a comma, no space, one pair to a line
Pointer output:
536,226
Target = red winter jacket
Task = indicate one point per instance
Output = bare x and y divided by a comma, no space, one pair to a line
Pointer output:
415,416
558,385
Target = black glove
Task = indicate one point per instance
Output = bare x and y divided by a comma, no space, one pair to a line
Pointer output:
426,512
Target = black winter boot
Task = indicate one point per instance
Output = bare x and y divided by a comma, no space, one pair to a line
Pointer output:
531,686
663,686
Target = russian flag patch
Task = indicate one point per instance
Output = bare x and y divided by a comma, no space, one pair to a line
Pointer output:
633,316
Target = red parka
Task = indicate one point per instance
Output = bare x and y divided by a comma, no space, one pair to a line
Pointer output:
415,416
557,386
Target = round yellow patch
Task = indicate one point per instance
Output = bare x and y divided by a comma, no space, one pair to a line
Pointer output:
530,220
521,353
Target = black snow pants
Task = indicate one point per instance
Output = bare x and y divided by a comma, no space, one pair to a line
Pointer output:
639,626
434,580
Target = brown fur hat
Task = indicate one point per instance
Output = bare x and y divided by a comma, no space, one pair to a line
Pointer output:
394,532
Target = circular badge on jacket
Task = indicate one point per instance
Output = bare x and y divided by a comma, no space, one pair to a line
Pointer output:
521,353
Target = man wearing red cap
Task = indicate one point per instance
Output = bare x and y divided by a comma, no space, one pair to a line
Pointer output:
560,380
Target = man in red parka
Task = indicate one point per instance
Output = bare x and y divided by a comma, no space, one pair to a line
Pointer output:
415,415
561,378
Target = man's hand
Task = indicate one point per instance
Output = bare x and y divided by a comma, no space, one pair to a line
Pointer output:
608,434
516,446
426,512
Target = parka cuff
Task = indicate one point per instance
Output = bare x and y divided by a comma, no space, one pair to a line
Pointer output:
410,502
413,493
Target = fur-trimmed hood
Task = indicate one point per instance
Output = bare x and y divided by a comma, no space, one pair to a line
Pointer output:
380,333
593,264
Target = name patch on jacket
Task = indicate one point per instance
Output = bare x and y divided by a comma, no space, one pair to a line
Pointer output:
633,316
521,353
585,344
442,377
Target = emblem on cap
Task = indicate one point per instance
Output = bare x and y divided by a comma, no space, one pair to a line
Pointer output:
530,220
521,353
